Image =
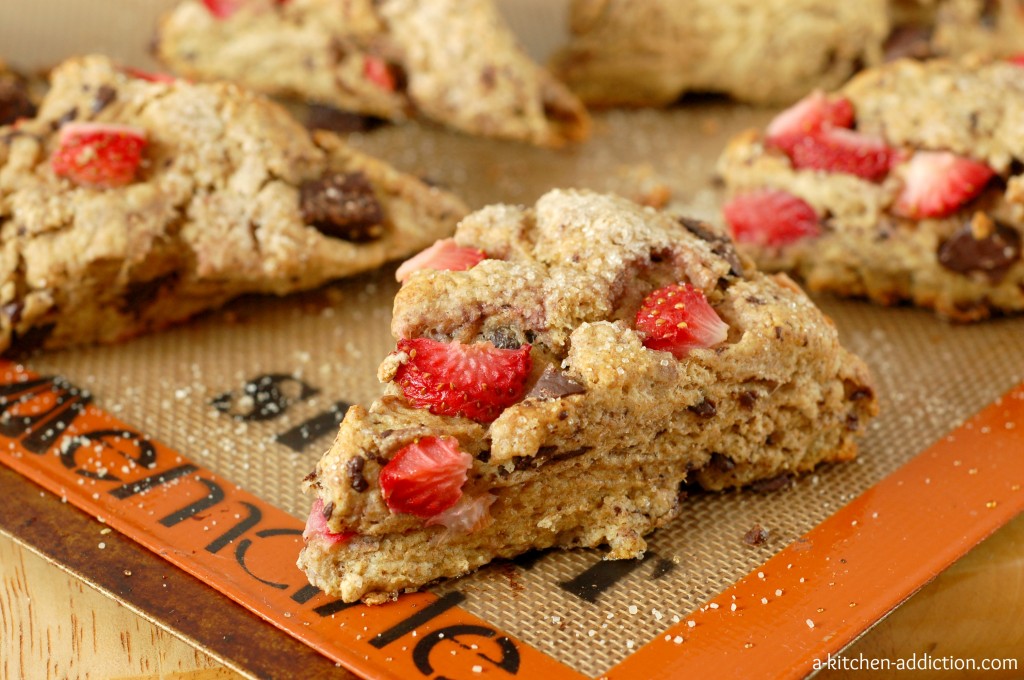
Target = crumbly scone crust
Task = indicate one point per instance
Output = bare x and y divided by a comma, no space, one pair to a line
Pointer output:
649,53
972,109
604,464
459,63
213,213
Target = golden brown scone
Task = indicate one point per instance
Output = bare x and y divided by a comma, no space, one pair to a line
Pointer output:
230,196
455,62
651,52
915,196
585,434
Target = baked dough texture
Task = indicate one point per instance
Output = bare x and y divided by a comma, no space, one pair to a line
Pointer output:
455,62
651,52
597,451
232,196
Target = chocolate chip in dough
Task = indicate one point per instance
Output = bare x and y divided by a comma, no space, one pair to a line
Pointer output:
14,102
343,205
981,246
554,384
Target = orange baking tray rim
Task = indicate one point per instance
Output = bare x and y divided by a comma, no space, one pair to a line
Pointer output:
808,601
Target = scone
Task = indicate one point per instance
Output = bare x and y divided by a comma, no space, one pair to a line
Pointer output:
455,62
129,203
904,186
560,371
651,52
15,99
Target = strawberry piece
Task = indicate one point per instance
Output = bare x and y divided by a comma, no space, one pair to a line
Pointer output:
222,9
1016,59
936,183
380,73
470,514
443,255
425,478
770,218
147,75
99,155
808,116
677,319
475,381
846,151
316,527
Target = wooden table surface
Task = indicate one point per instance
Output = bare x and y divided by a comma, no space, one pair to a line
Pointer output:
54,626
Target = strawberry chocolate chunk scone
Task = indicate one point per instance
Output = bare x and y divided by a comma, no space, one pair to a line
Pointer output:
904,186
560,371
455,62
651,52
131,202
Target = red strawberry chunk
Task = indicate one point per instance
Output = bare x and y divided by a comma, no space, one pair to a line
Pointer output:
677,319
470,514
380,73
475,381
222,9
425,478
937,183
316,527
147,75
840,150
443,255
807,117
770,218
1016,59
98,155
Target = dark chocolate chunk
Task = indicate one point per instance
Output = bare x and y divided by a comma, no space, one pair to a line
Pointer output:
554,384
14,102
776,483
747,399
354,470
139,296
503,337
757,535
721,463
981,246
328,510
704,409
721,244
908,41
326,117
343,205
105,95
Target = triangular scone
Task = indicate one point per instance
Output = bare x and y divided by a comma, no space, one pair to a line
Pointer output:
651,52
228,195
453,61
905,185
578,433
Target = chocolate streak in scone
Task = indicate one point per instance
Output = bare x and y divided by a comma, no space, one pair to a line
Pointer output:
593,448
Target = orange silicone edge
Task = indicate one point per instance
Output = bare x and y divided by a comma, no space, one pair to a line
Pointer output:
822,591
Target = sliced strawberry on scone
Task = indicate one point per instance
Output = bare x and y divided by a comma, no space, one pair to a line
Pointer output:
677,319
425,478
443,255
807,117
470,514
380,73
99,155
316,527
477,380
770,217
937,183
846,151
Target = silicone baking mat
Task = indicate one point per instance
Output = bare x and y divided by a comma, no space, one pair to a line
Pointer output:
193,442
